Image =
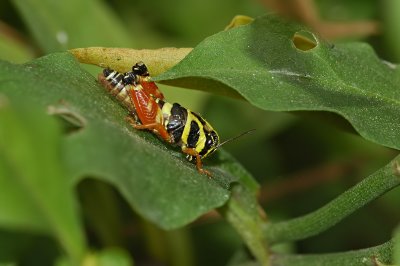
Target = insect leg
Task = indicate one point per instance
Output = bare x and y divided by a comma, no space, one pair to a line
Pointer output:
199,164
156,127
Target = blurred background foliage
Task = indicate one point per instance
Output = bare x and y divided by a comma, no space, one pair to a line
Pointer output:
300,160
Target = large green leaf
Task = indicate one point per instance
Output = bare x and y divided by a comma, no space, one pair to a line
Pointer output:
261,63
34,192
155,178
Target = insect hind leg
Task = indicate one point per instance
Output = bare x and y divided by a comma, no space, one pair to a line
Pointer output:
199,163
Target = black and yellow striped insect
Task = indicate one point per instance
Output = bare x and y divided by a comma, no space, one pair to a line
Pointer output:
175,124
190,131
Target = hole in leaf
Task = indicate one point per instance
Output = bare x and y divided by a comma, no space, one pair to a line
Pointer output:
304,40
239,20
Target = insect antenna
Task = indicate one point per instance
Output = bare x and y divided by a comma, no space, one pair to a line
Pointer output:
236,137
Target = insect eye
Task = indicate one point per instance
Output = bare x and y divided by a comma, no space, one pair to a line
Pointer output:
210,141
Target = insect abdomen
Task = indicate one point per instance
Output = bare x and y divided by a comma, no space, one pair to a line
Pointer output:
115,85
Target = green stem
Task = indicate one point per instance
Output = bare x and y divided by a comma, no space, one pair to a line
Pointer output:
320,220
368,256
242,212
172,247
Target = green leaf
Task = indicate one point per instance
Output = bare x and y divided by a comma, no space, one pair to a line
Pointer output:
260,62
51,24
155,178
35,193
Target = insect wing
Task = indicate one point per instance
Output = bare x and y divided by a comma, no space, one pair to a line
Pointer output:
147,109
152,89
